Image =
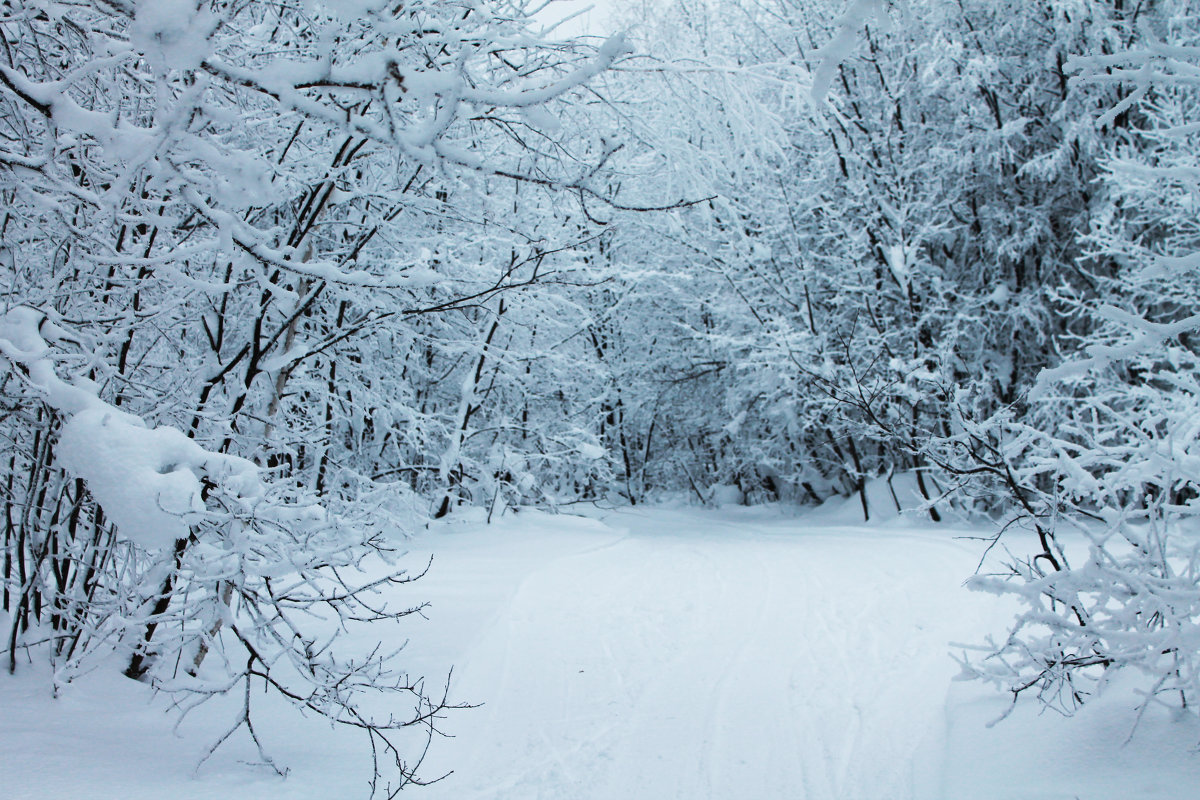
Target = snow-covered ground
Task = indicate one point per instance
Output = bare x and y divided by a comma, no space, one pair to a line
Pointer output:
654,654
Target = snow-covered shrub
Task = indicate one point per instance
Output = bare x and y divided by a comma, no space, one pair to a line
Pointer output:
1106,464
1112,489
193,569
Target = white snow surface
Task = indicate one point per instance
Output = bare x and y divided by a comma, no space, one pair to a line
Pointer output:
742,654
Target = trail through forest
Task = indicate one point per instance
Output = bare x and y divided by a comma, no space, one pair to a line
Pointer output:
286,281
649,655
686,655
740,661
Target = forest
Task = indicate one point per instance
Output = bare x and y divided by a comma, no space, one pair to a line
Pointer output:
285,281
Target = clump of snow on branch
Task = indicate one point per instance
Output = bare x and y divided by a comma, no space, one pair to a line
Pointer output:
172,34
150,481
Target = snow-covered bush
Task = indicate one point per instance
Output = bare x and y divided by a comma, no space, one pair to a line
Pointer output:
207,576
1107,462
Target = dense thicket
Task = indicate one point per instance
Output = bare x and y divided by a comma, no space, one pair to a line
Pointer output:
875,263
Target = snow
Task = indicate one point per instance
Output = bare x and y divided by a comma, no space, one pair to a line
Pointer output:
899,263
173,33
140,477
653,653
841,46
591,451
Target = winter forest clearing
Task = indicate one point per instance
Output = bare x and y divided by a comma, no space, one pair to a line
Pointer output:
300,294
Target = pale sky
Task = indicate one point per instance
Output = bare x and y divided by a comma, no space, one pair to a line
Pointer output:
591,21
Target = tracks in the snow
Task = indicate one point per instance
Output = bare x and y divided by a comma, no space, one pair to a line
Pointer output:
727,662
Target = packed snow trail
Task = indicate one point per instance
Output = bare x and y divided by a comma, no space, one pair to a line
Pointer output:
735,660
650,655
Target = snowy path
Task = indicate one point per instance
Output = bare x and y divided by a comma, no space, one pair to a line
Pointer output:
739,661
649,656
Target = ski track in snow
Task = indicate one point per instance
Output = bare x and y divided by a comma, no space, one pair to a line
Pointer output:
742,661
661,654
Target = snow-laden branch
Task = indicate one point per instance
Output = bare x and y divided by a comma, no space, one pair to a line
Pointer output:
841,46
151,482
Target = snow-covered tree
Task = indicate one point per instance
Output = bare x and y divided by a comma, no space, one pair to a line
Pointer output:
897,195
259,247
